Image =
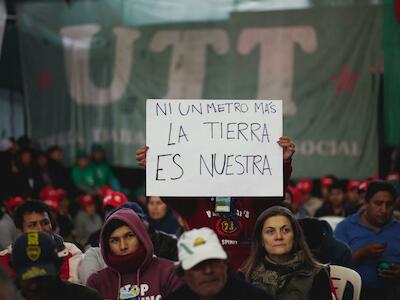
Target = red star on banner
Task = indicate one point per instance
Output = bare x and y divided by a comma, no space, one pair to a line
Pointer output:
345,81
44,80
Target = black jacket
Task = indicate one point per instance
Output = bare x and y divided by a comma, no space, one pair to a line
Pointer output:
323,245
64,290
235,289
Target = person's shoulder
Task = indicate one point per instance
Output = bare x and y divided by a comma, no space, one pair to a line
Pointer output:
393,228
7,220
182,292
346,222
80,292
92,251
237,282
103,272
320,274
72,248
161,262
80,215
159,267
396,223
322,270
6,252
99,276
255,292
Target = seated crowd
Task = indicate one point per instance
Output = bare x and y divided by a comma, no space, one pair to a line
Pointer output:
72,233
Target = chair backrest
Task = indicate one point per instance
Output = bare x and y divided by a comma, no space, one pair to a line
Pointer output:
340,276
332,220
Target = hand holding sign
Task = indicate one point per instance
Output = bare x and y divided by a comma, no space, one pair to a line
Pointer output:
141,155
288,148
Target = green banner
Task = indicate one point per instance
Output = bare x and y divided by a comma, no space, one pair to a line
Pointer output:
88,69
392,75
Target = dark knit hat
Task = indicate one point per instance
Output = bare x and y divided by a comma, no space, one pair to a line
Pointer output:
380,186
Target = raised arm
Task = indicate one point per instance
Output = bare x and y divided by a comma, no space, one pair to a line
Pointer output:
260,204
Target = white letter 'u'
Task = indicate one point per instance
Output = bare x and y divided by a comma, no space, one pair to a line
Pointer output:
76,42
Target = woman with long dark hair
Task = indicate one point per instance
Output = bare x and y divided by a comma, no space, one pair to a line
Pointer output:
280,261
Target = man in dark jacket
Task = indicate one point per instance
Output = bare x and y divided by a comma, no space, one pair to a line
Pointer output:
36,264
203,266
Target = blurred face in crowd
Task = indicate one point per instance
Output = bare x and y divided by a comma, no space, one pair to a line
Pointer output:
41,161
305,197
37,288
379,209
90,209
64,204
207,278
156,208
336,197
324,192
34,221
123,241
83,162
26,158
56,155
98,155
277,237
353,198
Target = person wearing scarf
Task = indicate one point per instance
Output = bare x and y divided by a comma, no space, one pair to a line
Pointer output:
280,261
132,271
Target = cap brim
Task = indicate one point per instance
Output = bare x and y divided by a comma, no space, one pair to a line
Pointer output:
197,258
37,271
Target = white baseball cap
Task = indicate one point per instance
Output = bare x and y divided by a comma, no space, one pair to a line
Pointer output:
198,245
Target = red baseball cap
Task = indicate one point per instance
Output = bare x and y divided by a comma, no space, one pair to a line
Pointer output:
13,202
393,177
353,184
53,203
363,186
105,191
304,186
115,199
296,195
86,200
48,192
326,181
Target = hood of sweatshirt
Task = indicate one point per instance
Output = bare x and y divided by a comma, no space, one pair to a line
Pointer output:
131,219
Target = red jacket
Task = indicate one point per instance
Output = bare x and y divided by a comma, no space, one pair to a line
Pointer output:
234,229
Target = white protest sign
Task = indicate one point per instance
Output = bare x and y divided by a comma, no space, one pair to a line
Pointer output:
214,148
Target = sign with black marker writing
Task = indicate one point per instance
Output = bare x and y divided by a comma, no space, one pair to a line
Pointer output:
214,148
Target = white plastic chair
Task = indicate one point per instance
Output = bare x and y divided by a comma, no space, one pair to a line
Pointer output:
340,276
332,220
